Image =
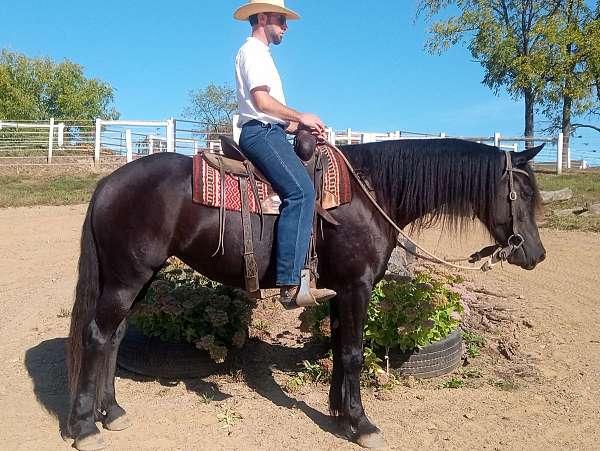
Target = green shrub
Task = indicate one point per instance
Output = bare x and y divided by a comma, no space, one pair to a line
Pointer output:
409,316
402,316
182,305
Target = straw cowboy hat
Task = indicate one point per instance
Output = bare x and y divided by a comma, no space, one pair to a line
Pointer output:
264,6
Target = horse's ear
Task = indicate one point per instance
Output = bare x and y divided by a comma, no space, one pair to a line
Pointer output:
520,158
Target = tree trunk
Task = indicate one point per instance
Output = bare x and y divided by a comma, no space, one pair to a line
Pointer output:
566,129
529,125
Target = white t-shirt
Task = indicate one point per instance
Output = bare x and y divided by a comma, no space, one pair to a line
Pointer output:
254,67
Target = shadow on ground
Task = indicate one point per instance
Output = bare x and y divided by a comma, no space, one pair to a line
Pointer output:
46,365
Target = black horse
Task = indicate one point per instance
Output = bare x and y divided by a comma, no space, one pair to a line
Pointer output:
143,213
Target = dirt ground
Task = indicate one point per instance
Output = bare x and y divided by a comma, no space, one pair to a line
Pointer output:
540,371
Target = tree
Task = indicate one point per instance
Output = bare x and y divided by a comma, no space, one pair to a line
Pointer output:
505,37
38,88
573,39
214,105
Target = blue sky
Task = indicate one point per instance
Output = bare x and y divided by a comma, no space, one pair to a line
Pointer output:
358,67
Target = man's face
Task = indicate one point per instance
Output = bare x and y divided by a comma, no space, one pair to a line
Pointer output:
275,27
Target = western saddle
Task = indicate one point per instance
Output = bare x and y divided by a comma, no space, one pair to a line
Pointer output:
234,162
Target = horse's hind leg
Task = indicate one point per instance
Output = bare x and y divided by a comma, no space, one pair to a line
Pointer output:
101,338
112,415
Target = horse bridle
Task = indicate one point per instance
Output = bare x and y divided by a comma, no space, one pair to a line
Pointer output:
499,252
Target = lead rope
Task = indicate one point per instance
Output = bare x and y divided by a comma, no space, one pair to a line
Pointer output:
429,256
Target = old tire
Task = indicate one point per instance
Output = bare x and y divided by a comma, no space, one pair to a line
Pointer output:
150,356
434,360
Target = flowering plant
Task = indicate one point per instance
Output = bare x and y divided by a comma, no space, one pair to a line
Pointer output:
403,315
409,316
182,305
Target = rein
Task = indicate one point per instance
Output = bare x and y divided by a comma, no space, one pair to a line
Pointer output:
495,252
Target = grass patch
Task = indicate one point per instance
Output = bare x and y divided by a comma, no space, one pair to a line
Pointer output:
586,191
473,343
26,191
453,383
503,384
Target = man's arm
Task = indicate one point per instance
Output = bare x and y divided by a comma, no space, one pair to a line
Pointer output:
265,103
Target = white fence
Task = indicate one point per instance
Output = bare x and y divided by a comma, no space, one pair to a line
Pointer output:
98,142
107,141
549,158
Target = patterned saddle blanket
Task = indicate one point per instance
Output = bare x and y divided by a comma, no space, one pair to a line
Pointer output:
207,185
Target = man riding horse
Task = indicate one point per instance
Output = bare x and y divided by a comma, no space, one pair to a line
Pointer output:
265,119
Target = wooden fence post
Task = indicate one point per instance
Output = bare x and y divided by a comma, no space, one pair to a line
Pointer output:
331,135
559,151
50,139
497,139
170,136
61,134
97,141
236,130
129,145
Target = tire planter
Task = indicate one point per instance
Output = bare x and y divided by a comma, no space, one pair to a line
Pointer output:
437,359
150,356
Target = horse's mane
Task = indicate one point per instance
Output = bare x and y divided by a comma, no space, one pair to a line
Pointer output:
446,181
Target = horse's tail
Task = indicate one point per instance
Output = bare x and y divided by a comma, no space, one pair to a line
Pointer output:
86,295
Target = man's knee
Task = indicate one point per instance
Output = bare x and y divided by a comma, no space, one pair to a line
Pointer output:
305,191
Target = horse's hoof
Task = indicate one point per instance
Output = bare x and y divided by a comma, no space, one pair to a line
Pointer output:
118,424
92,442
371,440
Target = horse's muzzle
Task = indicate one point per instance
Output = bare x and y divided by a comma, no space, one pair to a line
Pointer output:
527,260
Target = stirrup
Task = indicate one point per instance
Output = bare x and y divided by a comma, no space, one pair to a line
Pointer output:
307,296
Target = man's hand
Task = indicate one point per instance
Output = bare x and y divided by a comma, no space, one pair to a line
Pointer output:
312,122
320,135
265,103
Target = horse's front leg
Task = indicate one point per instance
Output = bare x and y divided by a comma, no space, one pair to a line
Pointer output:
348,315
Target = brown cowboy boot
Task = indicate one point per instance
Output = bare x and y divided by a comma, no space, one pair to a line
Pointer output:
291,298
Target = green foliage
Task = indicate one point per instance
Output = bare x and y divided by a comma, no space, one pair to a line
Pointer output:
586,191
453,383
374,374
571,38
215,105
545,51
29,190
503,36
473,343
315,320
182,305
311,372
412,315
403,316
38,88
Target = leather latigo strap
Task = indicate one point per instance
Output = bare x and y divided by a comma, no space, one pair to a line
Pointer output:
250,267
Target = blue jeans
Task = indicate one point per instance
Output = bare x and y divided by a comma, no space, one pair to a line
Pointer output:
267,147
